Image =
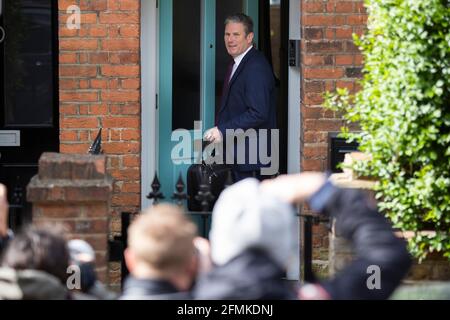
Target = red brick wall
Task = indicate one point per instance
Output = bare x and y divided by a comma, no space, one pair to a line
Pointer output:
99,67
329,60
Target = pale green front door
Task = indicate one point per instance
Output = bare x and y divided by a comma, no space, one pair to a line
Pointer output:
192,65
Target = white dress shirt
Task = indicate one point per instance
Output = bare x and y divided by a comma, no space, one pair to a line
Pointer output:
238,60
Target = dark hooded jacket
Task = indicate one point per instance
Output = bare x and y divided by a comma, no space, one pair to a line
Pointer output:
252,275
151,289
374,243
30,285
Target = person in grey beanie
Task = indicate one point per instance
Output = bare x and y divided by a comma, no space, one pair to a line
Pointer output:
252,241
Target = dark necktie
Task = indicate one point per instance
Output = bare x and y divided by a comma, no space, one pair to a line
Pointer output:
226,83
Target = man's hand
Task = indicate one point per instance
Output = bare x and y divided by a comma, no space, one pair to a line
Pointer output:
3,211
294,188
213,135
204,254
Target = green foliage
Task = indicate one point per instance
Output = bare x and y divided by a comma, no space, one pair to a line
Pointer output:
403,110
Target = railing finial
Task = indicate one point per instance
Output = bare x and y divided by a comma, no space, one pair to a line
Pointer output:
155,194
96,146
179,195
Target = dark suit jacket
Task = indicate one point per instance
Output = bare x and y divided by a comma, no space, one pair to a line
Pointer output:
249,103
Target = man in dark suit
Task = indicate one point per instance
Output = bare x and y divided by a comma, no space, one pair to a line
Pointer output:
247,110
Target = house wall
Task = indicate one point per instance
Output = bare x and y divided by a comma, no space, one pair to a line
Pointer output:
100,81
99,87
99,67
329,60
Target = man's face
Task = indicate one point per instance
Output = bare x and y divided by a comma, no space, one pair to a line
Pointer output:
235,40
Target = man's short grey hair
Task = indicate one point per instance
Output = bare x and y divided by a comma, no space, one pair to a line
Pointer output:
241,18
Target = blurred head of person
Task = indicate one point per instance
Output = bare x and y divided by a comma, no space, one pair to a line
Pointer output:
245,218
40,248
83,255
161,246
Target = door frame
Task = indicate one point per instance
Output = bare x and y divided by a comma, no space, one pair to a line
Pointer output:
149,87
294,90
149,113
294,133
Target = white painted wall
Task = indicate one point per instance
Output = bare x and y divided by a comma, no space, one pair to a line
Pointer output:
294,121
149,83
294,116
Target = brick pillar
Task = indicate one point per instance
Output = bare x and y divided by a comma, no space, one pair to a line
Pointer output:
75,190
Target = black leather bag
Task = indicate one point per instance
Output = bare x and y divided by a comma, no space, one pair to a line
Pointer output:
217,176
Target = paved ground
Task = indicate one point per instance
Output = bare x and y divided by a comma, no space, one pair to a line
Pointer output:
423,291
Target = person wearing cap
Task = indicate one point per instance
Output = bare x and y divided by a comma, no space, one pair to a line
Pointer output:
252,240
83,256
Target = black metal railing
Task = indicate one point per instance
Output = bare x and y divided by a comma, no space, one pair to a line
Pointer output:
117,245
96,146
204,196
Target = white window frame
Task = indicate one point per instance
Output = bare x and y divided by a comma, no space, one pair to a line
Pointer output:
149,89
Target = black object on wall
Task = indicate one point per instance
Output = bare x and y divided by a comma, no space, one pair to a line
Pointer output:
337,148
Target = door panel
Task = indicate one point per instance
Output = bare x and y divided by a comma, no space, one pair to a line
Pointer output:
186,64
28,95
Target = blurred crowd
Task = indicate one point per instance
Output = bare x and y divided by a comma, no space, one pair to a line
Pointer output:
251,243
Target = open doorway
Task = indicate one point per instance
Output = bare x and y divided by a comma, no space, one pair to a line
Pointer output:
273,39
159,72
276,21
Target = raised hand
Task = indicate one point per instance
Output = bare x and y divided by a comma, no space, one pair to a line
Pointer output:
294,188
3,211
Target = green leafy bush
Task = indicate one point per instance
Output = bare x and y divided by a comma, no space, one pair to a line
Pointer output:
403,110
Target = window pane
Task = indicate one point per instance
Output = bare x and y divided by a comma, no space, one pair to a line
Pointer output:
28,67
275,36
186,64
